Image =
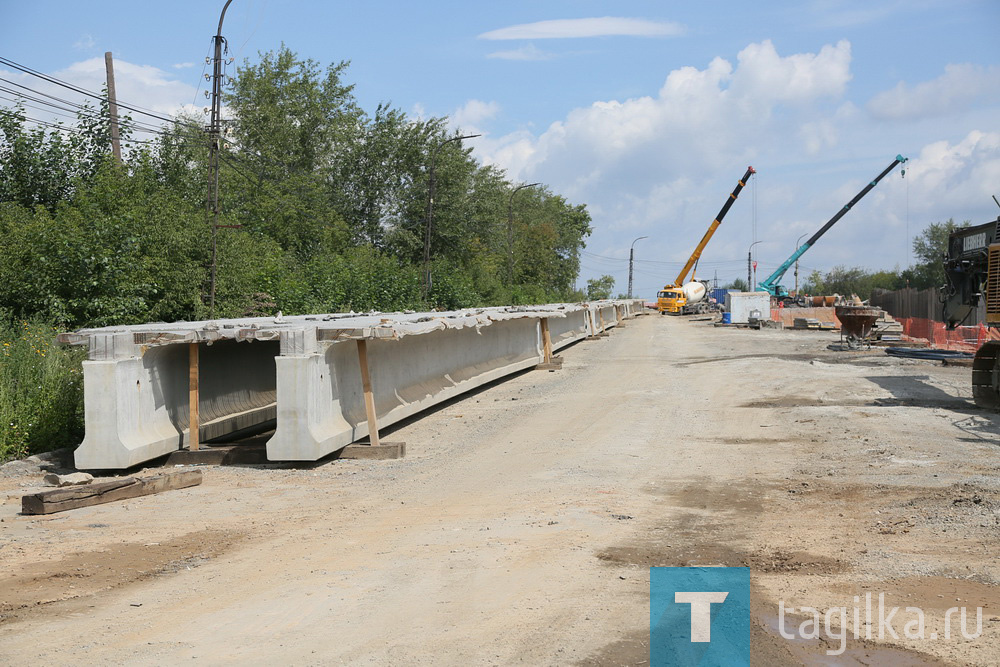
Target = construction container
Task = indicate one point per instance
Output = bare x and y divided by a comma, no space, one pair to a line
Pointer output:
739,305
719,294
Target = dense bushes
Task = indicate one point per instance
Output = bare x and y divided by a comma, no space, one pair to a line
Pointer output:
324,208
41,390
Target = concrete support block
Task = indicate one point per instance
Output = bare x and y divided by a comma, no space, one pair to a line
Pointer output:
555,364
136,407
383,451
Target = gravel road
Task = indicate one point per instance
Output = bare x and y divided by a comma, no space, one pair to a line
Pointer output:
521,526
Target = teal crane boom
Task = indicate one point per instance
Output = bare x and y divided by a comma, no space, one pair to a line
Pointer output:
770,284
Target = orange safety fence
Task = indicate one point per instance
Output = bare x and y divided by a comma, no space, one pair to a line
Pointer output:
961,338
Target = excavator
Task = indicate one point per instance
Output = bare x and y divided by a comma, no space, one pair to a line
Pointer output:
770,284
972,273
680,298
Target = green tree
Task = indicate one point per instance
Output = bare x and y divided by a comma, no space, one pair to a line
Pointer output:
600,288
930,248
857,280
814,284
290,117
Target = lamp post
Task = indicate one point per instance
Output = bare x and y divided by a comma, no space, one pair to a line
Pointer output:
214,130
750,285
797,245
510,231
430,212
631,259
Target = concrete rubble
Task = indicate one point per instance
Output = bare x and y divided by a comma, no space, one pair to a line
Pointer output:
71,479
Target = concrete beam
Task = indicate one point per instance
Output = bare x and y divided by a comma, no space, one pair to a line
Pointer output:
303,374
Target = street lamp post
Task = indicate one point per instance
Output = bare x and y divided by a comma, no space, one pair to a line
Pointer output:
631,259
797,245
750,285
430,211
214,131
510,231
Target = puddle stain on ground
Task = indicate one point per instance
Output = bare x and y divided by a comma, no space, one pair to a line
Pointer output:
686,540
39,586
959,404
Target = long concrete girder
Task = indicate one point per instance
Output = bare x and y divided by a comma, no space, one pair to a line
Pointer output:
303,374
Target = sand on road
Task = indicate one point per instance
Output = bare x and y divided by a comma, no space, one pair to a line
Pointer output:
522,524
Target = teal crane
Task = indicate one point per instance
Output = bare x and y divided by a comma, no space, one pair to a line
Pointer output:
770,284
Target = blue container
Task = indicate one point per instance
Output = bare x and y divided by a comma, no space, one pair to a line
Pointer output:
719,294
727,318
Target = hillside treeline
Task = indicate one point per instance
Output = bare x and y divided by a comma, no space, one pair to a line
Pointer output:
324,207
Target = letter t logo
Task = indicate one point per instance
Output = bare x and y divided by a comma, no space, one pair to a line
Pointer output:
701,612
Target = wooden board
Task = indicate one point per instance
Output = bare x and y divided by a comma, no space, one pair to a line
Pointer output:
69,498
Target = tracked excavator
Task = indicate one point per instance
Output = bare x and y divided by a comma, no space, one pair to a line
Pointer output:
972,276
680,298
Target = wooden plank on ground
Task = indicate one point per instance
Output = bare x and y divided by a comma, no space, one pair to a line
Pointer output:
58,500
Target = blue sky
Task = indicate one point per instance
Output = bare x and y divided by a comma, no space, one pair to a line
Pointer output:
648,112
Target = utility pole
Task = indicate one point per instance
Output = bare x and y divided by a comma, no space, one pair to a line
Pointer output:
116,147
214,130
510,231
798,244
426,286
631,259
750,266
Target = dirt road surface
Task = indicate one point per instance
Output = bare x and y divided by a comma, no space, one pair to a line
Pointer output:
522,524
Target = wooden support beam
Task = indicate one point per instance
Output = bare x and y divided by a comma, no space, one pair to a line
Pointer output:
366,384
546,342
59,500
194,423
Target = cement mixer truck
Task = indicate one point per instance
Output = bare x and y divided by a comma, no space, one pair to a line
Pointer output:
686,298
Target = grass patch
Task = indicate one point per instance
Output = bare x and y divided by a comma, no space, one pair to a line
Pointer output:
41,390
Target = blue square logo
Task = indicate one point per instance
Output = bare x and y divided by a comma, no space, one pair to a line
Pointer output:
700,616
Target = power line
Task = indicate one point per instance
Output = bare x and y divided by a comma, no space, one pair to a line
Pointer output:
61,128
73,110
83,91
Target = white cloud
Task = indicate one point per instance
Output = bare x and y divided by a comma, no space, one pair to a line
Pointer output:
796,78
958,173
706,117
662,164
183,65
527,52
470,116
140,86
606,26
837,14
85,43
956,89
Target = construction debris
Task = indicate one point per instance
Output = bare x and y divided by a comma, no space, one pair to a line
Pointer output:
72,479
59,500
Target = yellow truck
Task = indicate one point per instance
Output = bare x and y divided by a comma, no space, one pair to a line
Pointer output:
680,298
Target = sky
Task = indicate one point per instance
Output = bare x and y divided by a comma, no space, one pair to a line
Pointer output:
647,112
